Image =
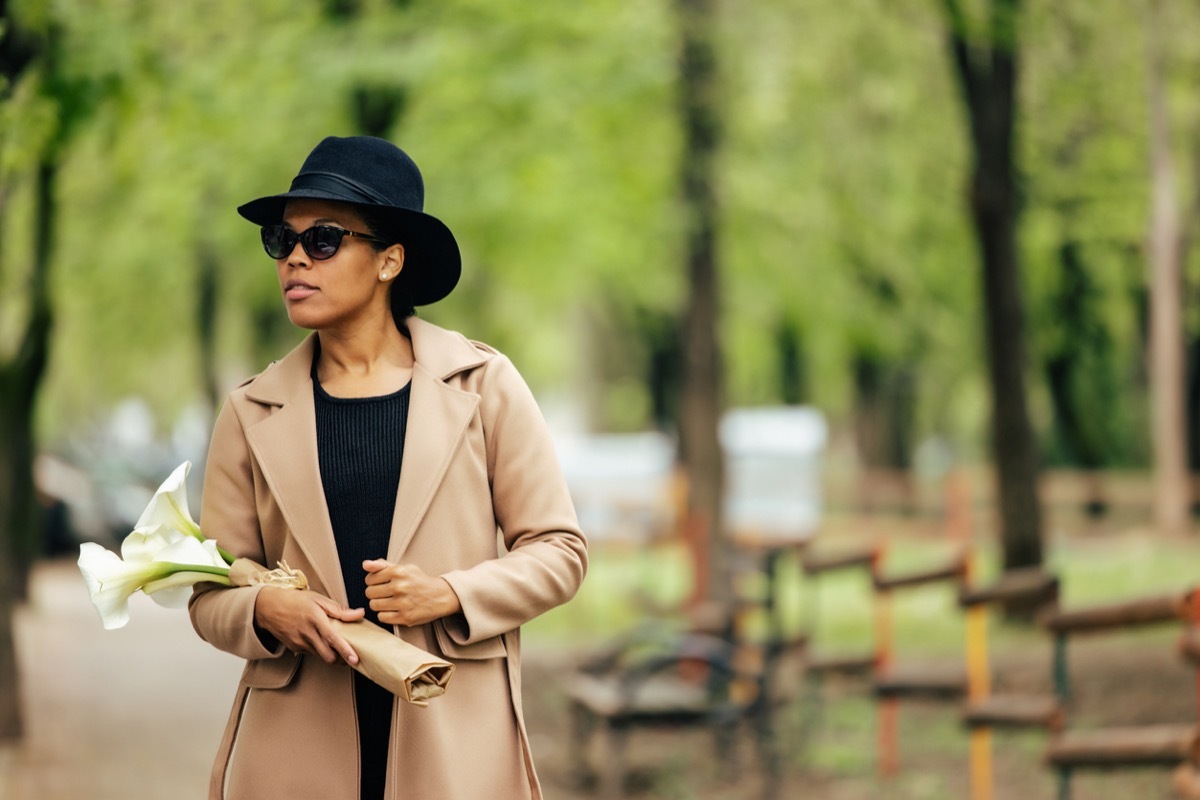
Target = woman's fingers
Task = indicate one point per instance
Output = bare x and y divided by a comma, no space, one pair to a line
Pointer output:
319,647
404,594
377,571
330,636
338,611
300,621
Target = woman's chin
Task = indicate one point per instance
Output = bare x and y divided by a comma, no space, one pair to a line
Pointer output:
304,320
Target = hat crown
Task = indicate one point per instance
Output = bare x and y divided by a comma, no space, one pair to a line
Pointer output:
366,170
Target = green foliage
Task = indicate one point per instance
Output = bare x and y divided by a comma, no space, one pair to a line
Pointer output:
550,142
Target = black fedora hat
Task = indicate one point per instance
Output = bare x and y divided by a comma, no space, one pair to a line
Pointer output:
368,171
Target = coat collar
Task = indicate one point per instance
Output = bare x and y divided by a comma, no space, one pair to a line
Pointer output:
440,352
285,443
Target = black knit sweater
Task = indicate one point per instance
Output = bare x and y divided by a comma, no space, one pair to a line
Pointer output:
360,448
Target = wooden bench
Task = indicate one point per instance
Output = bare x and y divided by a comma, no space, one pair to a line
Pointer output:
1139,612
930,681
815,566
1167,745
1030,586
895,681
1025,585
841,664
984,710
1142,745
953,569
851,558
1014,711
702,672
697,681
1185,781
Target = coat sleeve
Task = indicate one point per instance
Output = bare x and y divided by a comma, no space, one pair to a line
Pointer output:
223,616
546,556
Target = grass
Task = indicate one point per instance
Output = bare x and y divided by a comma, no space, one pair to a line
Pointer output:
627,585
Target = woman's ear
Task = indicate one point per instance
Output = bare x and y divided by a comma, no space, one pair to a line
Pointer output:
392,263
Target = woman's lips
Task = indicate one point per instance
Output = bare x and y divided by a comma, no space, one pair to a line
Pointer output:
298,290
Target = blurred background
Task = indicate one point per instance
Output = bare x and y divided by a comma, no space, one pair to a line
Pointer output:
946,249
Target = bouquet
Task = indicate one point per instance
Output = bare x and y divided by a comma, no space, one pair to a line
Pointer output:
166,554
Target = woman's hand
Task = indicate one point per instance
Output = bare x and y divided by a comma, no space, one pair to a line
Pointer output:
403,594
299,619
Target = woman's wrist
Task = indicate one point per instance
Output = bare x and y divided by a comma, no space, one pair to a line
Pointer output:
451,605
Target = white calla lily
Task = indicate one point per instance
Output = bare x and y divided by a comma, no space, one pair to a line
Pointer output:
144,544
169,506
194,561
111,581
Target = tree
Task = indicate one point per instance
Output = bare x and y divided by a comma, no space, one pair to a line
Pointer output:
987,78
1165,246
702,395
70,98
20,374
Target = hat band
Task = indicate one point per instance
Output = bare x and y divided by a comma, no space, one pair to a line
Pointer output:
339,184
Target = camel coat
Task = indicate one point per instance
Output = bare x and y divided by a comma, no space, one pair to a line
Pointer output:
481,501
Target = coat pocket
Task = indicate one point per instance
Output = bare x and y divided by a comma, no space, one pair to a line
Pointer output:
476,651
271,673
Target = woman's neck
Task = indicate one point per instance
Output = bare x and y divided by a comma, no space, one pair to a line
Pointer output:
364,363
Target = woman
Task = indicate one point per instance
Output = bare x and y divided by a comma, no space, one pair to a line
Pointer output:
408,472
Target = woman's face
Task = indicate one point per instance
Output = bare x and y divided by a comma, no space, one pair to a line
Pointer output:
345,290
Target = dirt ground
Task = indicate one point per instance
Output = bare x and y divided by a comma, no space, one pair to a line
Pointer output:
135,714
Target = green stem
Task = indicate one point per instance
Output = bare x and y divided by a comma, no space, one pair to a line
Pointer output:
207,574
221,572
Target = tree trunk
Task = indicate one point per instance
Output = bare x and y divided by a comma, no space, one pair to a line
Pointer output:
793,372
1191,221
11,727
700,450
988,83
20,379
660,334
1169,426
208,271
19,376
884,420
1077,401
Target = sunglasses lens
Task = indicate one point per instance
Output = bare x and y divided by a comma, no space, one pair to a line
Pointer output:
322,241
278,241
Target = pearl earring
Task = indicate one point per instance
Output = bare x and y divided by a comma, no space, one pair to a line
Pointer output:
383,276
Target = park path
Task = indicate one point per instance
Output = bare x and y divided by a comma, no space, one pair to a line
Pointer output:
134,713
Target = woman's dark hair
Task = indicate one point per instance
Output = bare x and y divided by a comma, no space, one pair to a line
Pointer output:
380,225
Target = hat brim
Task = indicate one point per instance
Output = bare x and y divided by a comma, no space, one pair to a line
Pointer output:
431,254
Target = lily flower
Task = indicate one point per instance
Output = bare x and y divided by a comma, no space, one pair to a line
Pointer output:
169,508
144,543
165,574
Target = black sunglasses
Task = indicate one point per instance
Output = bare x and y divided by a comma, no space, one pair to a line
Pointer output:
320,241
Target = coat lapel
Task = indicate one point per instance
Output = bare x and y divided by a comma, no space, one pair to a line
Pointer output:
285,444
438,416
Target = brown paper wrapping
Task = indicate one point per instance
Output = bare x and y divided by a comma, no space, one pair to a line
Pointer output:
403,669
